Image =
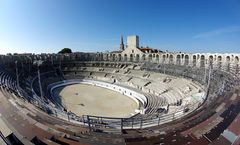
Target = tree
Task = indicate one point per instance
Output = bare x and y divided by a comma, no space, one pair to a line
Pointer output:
65,50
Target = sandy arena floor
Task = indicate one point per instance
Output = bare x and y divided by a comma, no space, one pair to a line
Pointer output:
85,99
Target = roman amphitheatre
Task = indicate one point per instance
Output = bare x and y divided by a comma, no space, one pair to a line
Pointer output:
136,95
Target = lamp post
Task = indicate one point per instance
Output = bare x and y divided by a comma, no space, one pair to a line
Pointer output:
29,62
208,83
22,66
60,63
205,72
59,67
52,59
39,63
17,73
164,67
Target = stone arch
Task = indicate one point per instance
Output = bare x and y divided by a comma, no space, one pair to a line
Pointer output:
228,63
143,57
202,61
157,58
97,57
150,57
182,56
137,57
236,61
178,60
219,58
228,59
125,57
171,59
219,61
164,58
113,57
210,59
186,60
119,57
101,57
194,60
131,57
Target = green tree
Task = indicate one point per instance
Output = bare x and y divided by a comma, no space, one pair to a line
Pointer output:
65,50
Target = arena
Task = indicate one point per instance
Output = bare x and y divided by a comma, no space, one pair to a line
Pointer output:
137,95
84,99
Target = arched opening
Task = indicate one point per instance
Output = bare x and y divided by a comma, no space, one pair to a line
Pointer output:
157,58
236,63
228,63
107,57
236,59
143,57
186,60
96,58
150,57
210,59
171,59
113,57
164,59
101,57
219,61
228,59
178,62
202,61
131,57
194,60
137,57
119,57
125,57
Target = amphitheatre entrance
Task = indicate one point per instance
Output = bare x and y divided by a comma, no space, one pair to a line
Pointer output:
87,99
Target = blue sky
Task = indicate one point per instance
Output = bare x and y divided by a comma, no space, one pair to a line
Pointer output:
96,25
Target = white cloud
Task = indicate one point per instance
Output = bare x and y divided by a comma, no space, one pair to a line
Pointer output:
212,33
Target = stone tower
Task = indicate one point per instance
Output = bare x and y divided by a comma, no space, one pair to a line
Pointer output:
133,41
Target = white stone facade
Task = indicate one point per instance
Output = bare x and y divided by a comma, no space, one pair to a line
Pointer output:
135,54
